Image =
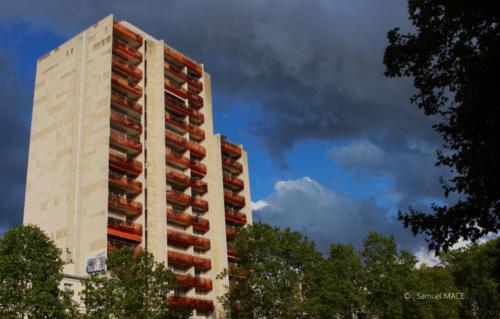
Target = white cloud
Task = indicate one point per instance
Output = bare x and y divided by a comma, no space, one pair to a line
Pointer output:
258,205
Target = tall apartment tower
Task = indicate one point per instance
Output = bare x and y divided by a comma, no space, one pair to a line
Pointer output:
122,153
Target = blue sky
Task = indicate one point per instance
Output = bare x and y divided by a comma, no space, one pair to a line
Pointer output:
335,148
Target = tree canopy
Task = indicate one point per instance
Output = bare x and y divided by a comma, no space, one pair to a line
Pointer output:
453,56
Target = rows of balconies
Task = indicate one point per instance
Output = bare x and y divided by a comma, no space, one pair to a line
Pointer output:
231,149
124,141
232,165
231,232
177,90
132,38
233,181
175,140
180,198
175,72
186,240
126,52
193,281
178,178
183,219
115,243
124,205
183,162
236,217
125,229
194,84
130,88
196,133
126,123
189,260
196,116
128,105
234,198
199,186
176,123
124,164
124,183
174,105
125,69
203,305
195,101
180,59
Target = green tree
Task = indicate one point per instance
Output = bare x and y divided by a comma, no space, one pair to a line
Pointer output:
273,266
386,276
453,56
336,289
135,286
476,270
30,274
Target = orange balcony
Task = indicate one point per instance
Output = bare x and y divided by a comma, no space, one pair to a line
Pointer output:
126,69
179,91
192,281
115,243
231,232
178,178
196,133
202,305
195,101
176,159
196,148
175,106
171,54
189,260
176,123
233,181
231,149
125,142
124,183
175,140
185,240
183,219
124,164
231,252
194,84
126,122
236,217
199,186
198,167
128,105
129,87
236,271
127,34
233,165
125,229
123,50
178,198
196,116
233,198
200,204
124,205
174,72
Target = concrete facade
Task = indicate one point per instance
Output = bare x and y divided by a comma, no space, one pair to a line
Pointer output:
123,153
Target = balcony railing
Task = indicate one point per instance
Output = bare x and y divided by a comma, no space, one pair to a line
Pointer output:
196,116
199,185
231,252
231,148
198,167
196,148
184,60
125,183
125,229
178,197
233,165
125,205
178,74
176,159
169,86
236,271
236,217
184,219
234,198
235,181
196,133
126,52
126,103
192,281
231,232
127,34
174,139
176,123
126,69
185,240
189,260
125,85
178,178
126,122
194,84
200,204
125,142
174,106
114,243
195,101
124,164
203,305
